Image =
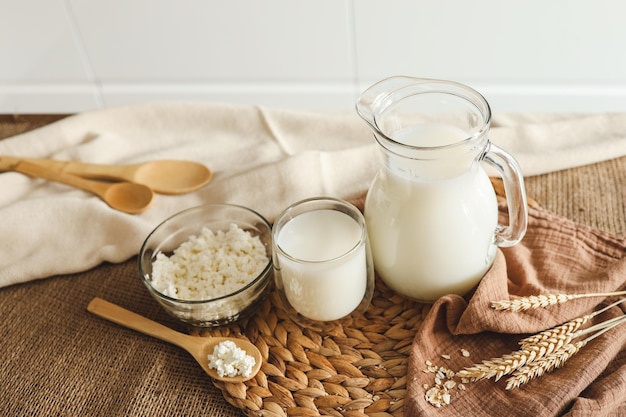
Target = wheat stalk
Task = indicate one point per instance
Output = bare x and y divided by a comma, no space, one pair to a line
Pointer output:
566,329
541,352
531,348
559,356
544,300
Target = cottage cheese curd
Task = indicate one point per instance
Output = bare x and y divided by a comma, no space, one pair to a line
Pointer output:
230,360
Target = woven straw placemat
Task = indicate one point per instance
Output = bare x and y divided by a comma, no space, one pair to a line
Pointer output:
355,369
59,360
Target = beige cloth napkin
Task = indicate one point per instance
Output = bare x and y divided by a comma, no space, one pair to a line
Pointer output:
556,256
51,229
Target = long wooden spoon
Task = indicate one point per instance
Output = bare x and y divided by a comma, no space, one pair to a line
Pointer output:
199,347
123,196
163,176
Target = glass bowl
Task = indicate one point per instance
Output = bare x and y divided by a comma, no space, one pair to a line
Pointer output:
218,303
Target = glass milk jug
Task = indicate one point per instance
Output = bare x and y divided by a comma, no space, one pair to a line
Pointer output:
431,211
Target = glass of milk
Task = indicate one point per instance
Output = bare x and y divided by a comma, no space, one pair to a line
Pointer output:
323,266
431,211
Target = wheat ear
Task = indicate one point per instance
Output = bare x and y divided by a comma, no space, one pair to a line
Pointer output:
546,364
562,332
559,356
504,365
544,300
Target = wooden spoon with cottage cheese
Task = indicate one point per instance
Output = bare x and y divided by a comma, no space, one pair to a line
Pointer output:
219,358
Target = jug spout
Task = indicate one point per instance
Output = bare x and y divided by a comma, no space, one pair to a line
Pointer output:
377,96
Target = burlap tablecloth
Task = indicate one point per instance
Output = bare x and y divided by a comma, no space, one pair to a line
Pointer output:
57,360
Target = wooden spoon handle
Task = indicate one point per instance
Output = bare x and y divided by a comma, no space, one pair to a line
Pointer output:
126,318
91,170
41,171
82,169
7,163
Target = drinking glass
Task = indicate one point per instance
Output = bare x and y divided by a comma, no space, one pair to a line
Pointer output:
323,266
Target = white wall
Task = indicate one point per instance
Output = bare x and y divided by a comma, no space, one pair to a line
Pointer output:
59,56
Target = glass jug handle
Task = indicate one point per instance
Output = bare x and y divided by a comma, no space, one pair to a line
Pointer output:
513,180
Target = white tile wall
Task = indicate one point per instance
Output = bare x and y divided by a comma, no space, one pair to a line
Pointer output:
74,55
534,41
534,54
41,68
274,52
199,41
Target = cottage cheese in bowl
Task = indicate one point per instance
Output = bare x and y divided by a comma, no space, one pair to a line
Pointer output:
210,265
